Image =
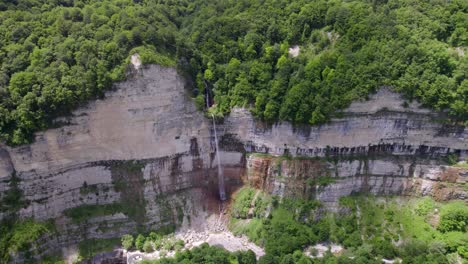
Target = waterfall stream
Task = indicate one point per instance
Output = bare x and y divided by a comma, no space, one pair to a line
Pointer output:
222,190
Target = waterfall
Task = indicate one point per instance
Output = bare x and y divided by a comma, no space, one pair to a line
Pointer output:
207,95
222,191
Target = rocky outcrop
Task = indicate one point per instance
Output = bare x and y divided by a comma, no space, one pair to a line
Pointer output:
148,152
328,179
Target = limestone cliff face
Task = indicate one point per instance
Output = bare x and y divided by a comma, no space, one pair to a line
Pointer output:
381,124
146,148
377,146
329,179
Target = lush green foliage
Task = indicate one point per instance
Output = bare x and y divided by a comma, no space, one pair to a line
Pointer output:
153,241
384,222
241,207
139,242
56,55
19,236
372,228
148,246
281,233
348,49
454,218
127,241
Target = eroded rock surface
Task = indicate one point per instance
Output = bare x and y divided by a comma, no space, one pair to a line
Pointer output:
329,179
382,146
146,148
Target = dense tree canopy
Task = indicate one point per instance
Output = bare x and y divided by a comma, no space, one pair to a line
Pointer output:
348,49
55,55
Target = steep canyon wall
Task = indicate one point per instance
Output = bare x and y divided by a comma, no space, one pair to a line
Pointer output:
146,149
382,146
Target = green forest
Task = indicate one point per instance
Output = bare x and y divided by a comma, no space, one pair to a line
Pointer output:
56,55
415,230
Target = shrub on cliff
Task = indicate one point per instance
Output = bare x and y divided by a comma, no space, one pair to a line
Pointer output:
454,240
127,241
139,242
454,217
424,206
179,245
148,246
242,202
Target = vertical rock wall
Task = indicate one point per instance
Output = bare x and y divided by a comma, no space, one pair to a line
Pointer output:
382,146
146,149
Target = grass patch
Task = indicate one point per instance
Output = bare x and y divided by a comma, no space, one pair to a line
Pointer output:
281,232
411,221
252,228
84,212
53,259
149,55
461,164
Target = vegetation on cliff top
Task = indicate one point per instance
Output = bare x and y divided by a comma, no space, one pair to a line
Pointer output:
56,55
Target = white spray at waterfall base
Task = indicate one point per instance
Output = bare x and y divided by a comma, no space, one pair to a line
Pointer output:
221,187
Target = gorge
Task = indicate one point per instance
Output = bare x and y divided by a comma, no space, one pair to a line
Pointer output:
147,155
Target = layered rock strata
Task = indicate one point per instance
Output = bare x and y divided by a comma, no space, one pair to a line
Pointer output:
147,153
384,146
143,155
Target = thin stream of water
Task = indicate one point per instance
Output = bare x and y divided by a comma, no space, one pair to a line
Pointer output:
222,190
